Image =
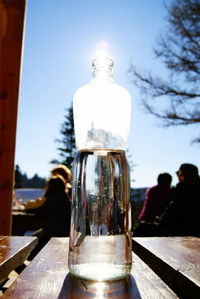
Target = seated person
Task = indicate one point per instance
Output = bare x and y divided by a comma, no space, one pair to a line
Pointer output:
60,170
54,214
181,218
157,198
65,172
56,210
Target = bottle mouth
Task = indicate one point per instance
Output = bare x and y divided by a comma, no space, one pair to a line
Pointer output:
102,63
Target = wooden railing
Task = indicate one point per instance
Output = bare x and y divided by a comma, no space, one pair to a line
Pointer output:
11,36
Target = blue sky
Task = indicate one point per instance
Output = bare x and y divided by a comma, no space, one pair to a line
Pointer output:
60,41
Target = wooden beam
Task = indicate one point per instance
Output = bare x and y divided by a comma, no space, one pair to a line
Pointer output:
12,14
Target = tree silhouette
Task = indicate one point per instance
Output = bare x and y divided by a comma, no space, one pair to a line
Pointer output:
22,181
179,50
67,148
18,182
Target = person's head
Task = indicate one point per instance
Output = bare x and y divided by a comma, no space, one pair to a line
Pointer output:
188,173
55,183
62,170
164,179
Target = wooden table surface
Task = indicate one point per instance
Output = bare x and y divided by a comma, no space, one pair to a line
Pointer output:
47,277
13,252
175,259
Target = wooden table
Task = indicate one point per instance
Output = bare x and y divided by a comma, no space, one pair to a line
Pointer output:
47,277
175,259
13,252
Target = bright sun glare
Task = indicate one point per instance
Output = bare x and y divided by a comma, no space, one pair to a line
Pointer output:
102,50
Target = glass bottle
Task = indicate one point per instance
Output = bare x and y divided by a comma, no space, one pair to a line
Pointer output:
100,236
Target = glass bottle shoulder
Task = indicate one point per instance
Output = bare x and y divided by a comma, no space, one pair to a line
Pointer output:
101,87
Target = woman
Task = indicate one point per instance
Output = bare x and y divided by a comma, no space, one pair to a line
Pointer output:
56,210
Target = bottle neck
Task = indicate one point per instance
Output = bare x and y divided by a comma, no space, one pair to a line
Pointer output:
102,70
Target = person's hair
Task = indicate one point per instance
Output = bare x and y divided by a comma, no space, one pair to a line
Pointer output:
190,172
55,183
62,170
164,179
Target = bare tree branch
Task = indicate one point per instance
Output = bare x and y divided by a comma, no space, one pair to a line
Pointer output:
175,100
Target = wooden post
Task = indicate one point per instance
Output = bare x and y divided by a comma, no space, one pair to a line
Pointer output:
11,38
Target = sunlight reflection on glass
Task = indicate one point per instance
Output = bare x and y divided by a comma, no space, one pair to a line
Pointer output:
100,287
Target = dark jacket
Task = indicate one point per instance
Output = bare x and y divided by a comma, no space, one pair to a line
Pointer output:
55,213
181,218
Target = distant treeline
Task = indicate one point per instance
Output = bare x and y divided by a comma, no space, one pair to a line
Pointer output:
22,181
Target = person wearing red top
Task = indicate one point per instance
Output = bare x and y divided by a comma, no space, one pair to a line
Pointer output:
157,198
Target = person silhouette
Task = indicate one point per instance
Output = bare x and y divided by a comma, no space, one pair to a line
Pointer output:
181,218
53,211
56,210
156,200
65,172
60,170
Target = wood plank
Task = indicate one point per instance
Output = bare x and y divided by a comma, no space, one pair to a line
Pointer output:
148,283
13,252
175,259
47,276
11,37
